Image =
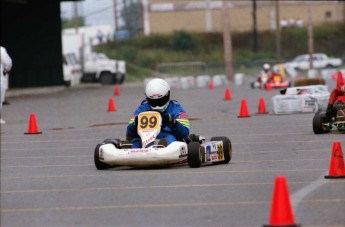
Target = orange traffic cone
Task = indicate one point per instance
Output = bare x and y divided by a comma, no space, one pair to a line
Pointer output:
336,167
243,109
116,90
268,86
111,105
32,129
281,212
210,85
262,108
227,95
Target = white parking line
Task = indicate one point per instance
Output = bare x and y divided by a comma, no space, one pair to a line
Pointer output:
299,195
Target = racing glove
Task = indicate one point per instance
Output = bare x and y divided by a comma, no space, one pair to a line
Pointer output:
167,119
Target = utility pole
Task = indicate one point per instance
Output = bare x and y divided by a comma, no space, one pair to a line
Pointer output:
76,17
125,13
227,41
208,16
146,17
310,36
278,42
141,5
255,35
343,12
115,16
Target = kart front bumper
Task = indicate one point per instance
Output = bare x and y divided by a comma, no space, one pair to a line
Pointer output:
175,153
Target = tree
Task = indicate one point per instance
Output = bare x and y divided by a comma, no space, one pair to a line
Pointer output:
69,22
132,15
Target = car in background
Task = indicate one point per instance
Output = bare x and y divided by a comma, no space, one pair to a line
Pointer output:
99,68
320,60
71,69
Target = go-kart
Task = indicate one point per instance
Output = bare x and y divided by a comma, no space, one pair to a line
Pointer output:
154,152
265,83
321,124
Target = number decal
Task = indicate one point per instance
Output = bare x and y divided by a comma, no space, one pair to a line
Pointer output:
149,121
153,122
143,122
220,152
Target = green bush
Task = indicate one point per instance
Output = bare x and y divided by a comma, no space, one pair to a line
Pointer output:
150,51
182,41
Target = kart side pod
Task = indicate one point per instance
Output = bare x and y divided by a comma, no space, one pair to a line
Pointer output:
217,150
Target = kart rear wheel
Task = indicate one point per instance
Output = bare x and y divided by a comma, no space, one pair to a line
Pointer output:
99,165
194,155
227,148
318,121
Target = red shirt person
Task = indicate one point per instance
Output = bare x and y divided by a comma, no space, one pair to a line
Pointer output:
338,91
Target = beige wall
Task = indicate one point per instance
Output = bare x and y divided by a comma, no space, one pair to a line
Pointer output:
240,15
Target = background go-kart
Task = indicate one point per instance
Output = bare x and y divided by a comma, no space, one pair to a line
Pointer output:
50,179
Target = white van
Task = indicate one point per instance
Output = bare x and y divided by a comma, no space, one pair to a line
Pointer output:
71,69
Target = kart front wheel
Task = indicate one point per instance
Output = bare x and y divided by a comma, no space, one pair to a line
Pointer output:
99,165
227,148
318,123
194,155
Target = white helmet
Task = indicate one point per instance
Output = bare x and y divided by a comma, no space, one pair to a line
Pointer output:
266,66
276,69
157,93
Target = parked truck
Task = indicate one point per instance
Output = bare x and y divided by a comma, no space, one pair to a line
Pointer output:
96,67
99,68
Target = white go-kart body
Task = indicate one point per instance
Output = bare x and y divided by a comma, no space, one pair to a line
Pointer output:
151,154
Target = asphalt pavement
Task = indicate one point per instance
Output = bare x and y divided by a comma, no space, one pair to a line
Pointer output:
50,179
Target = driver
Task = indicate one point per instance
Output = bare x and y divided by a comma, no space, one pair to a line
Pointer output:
175,123
338,91
276,76
265,72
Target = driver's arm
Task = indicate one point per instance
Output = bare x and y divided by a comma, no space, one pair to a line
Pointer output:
178,123
131,131
180,129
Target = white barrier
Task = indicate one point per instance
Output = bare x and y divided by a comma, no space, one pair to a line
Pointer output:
202,81
187,82
219,80
312,73
174,82
239,79
301,100
327,73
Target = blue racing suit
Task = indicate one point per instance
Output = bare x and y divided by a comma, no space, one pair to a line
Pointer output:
170,133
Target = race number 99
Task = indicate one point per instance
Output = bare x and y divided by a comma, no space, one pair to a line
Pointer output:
149,120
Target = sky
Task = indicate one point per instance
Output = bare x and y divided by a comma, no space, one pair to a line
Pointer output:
96,12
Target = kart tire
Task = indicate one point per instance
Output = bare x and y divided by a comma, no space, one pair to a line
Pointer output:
252,85
194,155
114,142
318,120
226,146
99,165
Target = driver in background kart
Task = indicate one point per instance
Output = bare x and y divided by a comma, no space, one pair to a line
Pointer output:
265,72
175,123
338,91
276,76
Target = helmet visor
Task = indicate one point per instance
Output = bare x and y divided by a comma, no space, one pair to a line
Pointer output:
158,102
